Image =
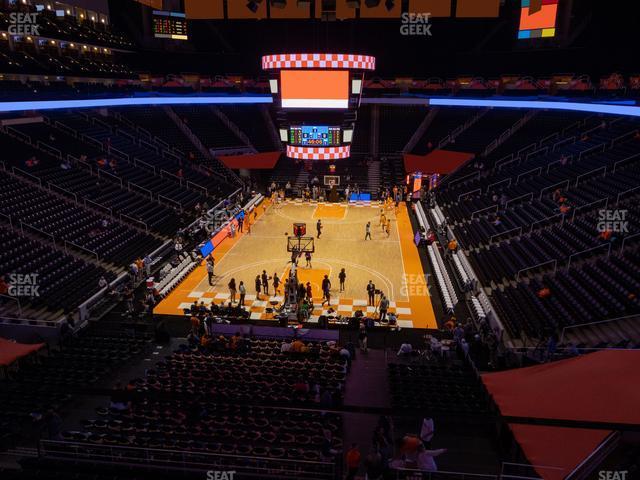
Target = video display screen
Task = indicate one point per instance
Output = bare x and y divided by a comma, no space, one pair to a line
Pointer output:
171,25
315,88
538,18
315,136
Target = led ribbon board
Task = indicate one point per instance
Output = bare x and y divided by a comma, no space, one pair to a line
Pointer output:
318,153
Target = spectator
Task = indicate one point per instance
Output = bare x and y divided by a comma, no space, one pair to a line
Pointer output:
374,465
232,290
405,350
425,460
243,292
353,461
362,338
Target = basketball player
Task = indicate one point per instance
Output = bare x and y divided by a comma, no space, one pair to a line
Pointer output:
326,291
319,228
307,257
276,282
258,287
367,231
342,276
383,219
265,282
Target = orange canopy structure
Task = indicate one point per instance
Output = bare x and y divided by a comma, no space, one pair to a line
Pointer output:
12,351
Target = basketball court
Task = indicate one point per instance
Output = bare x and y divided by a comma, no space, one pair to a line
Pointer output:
392,262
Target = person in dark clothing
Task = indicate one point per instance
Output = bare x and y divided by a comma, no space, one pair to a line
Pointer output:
265,282
371,293
342,276
319,228
258,287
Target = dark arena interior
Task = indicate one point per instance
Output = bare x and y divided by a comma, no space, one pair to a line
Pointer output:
319,239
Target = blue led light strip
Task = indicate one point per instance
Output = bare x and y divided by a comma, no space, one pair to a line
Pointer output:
126,102
628,110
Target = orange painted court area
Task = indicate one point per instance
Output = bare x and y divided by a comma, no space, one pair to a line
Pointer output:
391,261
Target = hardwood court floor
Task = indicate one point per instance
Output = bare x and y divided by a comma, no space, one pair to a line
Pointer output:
391,262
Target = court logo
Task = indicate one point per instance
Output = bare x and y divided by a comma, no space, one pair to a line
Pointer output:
613,221
23,285
21,23
415,24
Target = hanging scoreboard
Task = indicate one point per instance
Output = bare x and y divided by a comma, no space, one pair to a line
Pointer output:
171,25
315,136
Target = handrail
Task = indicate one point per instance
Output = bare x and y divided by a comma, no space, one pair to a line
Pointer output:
131,219
593,149
149,145
13,299
53,185
469,193
42,232
136,161
542,151
167,153
498,183
595,458
537,169
96,143
589,173
583,325
587,205
91,252
45,147
131,185
99,206
635,235
119,154
538,265
624,136
548,138
505,158
625,192
492,207
14,132
501,234
415,473
547,219
66,129
198,187
526,149
615,165
8,217
530,194
31,176
103,172
464,178
566,141
606,245
170,200
563,182
514,159
184,459
165,172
